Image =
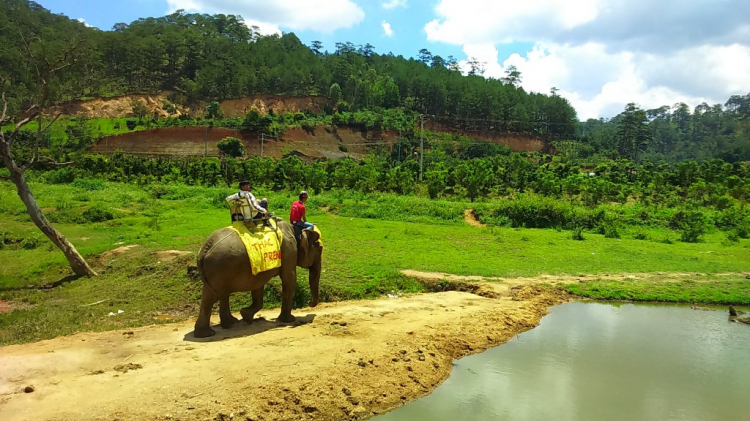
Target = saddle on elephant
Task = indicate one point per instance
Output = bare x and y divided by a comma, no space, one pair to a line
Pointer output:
262,241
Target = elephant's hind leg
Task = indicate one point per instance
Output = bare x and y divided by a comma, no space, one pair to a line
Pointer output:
203,324
225,313
249,312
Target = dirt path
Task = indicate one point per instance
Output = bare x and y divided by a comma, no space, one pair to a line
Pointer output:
345,360
5,306
470,217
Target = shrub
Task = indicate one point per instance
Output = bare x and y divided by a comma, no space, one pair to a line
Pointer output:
690,223
153,223
722,202
733,237
640,234
542,212
31,243
610,231
666,240
90,184
734,219
157,191
577,234
499,221
213,110
219,200
62,175
98,214
66,216
743,230
231,146
9,241
6,240
63,204
81,197
174,192
131,124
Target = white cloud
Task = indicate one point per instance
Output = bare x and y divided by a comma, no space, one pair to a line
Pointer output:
318,15
264,28
625,25
387,30
486,55
603,54
477,21
599,83
83,21
392,4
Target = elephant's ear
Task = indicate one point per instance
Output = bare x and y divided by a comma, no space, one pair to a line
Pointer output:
312,237
302,246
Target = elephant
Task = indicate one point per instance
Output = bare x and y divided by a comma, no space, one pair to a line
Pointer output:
225,268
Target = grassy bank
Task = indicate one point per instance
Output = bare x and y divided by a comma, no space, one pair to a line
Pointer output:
730,289
366,244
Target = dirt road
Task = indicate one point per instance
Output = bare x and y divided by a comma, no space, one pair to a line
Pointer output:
347,360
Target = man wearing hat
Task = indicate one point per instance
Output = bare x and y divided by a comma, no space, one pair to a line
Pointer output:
249,209
297,216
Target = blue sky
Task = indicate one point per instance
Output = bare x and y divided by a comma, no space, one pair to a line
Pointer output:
600,54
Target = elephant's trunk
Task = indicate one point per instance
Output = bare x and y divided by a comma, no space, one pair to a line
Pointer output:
315,283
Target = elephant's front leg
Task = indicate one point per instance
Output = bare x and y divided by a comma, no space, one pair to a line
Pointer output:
249,312
225,313
288,285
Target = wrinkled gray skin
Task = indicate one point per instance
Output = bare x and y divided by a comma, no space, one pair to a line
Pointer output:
225,268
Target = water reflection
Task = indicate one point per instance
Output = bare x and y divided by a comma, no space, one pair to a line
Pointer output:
592,361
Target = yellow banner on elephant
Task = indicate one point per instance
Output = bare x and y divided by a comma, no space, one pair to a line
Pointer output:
263,244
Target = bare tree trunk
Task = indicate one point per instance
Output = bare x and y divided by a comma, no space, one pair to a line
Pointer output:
76,261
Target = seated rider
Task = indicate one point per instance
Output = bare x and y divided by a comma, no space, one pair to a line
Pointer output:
297,216
249,209
246,191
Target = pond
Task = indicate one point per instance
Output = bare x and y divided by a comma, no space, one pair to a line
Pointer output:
594,361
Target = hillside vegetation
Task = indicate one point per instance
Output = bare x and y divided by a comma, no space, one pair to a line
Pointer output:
205,58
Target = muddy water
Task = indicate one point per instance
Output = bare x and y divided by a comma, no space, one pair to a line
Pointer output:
592,361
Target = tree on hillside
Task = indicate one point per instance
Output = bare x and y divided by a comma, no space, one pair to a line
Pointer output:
425,56
213,110
476,67
255,122
139,109
316,47
475,176
231,146
45,64
633,133
739,105
513,77
335,93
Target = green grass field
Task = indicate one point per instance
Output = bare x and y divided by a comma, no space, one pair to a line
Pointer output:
362,259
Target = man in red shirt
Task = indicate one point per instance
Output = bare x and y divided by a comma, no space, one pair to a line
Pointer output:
297,216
